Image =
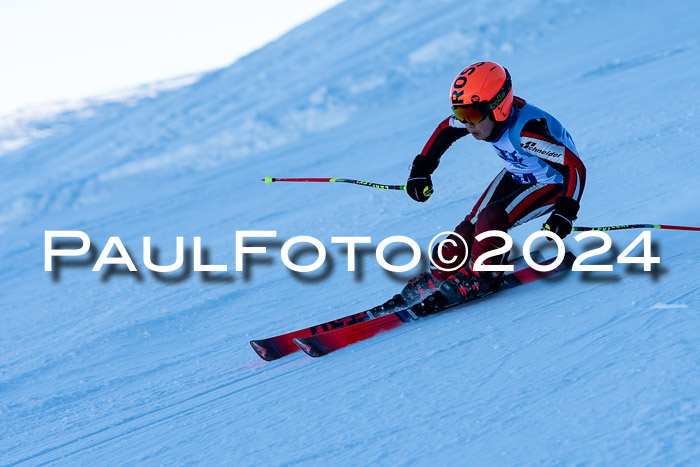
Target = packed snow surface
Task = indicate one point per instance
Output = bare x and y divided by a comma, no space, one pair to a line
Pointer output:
112,367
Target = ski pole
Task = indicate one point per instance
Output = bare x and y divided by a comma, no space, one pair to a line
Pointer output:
269,180
636,226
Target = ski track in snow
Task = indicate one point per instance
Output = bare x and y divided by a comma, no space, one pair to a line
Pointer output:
118,368
149,419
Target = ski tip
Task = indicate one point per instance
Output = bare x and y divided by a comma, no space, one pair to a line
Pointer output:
265,350
310,346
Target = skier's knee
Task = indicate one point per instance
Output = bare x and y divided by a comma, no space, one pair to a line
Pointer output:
492,217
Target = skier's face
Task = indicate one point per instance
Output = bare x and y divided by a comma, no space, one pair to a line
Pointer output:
481,130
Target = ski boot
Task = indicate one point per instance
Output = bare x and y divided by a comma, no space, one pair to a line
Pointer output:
395,303
416,290
420,287
459,288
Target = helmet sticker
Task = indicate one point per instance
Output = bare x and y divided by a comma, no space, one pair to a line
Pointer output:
461,81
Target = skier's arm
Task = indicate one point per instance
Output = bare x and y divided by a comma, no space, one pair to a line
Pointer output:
537,140
419,185
447,132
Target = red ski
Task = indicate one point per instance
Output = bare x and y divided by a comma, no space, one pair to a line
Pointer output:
322,344
276,347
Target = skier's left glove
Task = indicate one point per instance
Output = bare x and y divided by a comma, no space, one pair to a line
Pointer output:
561,221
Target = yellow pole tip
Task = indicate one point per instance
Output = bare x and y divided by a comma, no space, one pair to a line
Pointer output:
268,179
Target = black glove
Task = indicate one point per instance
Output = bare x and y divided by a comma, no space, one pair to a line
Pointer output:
419,185
562,219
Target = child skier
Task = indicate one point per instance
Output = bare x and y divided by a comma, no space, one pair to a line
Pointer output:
543,174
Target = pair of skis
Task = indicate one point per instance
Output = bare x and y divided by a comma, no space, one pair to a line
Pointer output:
324,338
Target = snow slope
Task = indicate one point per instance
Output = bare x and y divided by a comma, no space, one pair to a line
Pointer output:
112,368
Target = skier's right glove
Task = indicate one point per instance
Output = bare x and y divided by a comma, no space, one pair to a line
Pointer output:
419,185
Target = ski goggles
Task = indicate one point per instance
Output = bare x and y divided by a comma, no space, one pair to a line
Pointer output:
474,113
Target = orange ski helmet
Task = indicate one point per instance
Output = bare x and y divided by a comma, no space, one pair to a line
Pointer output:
480,89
